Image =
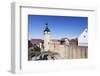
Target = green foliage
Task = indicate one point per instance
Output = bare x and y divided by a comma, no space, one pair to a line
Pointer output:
33,54
36,48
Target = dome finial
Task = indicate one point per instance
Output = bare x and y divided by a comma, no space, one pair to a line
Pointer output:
46,24
46,28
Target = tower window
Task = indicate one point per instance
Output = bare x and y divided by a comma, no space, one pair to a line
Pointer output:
84,36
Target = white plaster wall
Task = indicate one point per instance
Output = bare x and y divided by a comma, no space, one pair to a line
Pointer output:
83,38
46,41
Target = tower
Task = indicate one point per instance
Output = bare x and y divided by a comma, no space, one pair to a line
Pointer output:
46,37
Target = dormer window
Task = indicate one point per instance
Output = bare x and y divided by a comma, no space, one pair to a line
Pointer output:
84,36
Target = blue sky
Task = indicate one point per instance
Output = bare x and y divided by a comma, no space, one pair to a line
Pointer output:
60,26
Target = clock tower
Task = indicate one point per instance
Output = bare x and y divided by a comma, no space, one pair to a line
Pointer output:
46,37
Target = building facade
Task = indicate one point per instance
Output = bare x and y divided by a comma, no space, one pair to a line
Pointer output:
83,38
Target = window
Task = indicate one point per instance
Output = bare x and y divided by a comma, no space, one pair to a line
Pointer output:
84,36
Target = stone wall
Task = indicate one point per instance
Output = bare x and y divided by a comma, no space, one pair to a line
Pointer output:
69,52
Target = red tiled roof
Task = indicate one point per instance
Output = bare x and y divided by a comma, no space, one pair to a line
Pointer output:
36,41
29,44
